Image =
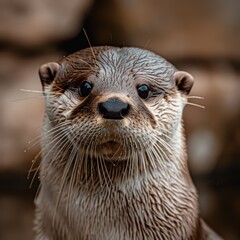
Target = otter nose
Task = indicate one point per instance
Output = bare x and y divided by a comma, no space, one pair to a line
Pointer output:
113,108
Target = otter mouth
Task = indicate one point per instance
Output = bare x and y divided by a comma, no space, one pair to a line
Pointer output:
110,139
110,142
111,149
110,146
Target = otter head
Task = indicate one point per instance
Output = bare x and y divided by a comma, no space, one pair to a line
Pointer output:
116,104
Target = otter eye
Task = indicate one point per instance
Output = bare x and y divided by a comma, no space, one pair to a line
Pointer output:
85,89
143,91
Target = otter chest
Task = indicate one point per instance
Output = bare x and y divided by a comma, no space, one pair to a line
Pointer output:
156,214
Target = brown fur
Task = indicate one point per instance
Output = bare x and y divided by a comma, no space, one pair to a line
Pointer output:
116,179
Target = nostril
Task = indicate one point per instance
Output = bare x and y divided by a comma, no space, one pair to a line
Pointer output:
113,108
102,109
125,110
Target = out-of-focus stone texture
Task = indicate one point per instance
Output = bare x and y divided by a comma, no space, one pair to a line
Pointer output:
16,218
213,139
215,130
176,29
36,23
22,112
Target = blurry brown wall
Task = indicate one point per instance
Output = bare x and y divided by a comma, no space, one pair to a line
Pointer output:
201,37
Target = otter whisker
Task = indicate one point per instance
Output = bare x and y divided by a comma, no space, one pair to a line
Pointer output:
62,183
45,135
72,159
31,91
33,162
156,151
98,169
91,145
34,176
85,162
97,164
85,33
91,164
159,151
135,159
64,149
189,103
195,105
46,171
36,91
64,175
195,97
38,190
59,137
50,122
162,133
150,146
106,171
101,165
132,162
125,146
164,143
152,156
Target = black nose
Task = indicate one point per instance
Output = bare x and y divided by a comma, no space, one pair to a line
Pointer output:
113,108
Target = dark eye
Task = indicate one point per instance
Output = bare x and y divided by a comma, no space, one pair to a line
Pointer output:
143,91
85,89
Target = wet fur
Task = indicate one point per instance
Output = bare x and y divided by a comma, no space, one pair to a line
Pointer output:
141,189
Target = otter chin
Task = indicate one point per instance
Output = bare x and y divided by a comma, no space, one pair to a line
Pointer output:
111,150
114,160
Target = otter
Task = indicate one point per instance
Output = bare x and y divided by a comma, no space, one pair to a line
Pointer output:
114,161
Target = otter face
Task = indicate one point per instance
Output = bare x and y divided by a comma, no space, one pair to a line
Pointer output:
115,103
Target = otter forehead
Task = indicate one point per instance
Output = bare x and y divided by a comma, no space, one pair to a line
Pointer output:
121,66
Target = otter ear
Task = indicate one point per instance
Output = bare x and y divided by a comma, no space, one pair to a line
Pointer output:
184,81
48,72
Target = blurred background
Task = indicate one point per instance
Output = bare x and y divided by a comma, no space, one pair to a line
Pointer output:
201,37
